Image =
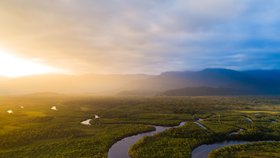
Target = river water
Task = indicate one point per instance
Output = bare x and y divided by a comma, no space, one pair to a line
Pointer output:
204,150
120,149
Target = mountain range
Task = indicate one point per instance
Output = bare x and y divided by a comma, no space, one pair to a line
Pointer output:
216,81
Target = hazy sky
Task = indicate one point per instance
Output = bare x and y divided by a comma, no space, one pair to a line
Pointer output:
143,36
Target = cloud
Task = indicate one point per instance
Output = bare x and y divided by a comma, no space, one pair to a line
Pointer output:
134,36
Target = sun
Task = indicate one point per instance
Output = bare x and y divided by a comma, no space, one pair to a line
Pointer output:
14,66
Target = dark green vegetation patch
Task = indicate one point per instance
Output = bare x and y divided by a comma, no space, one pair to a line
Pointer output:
38,131
252,150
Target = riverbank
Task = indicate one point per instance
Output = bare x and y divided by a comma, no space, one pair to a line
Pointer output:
121,148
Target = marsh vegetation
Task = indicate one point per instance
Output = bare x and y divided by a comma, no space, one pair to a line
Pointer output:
38,131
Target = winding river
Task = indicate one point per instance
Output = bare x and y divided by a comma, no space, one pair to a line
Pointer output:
120,149
203,151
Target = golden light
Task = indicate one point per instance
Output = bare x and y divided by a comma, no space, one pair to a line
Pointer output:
13,66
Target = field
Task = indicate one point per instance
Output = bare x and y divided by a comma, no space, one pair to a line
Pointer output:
34,130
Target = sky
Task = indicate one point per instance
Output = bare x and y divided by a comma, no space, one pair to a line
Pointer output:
141,36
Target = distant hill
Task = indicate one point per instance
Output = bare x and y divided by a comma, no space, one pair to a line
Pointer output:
205,78
208,91
73,84
206,82
138,93
215,82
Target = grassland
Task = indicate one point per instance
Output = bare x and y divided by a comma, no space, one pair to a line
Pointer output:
38,131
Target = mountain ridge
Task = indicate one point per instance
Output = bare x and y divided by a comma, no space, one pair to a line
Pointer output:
254,81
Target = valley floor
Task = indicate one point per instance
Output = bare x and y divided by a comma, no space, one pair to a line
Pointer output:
34,129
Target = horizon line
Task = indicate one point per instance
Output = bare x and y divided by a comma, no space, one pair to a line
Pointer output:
150,74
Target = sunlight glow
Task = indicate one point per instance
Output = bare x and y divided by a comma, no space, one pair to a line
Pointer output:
13,66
